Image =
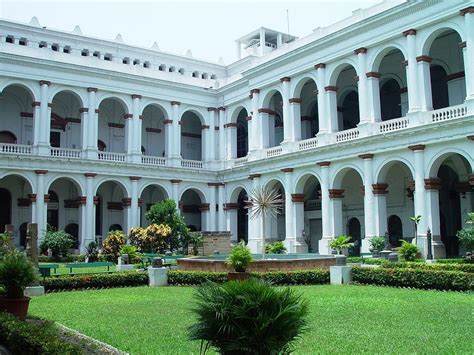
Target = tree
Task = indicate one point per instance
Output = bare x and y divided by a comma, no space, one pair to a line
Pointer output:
59,242
164,212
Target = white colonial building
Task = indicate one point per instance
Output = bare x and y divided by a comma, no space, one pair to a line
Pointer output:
360,125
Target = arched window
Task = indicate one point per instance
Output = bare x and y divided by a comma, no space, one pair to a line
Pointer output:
115,227
390,100
73,230
439,87
395,231
7,137
101,146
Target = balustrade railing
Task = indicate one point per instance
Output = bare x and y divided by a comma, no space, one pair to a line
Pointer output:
448,113
151,160
66,153
112,156
308,144
272,152
18,149
195,164
393,125
347,135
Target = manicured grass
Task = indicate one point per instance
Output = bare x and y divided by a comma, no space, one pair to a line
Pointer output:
343,319
62,270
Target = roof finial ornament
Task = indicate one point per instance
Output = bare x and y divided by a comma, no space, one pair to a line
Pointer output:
77,30
34,22
189,54
155,46
119,38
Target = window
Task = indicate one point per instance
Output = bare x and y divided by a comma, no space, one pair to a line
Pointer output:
55,47
10,39
96,54
85,53
213,76
22,42
146,65
162,67
181,71
195,74
67,49
204,76
126,60
171,69
55,139
136,61
108,57
43,44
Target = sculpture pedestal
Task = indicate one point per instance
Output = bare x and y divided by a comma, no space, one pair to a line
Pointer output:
157,277
340,275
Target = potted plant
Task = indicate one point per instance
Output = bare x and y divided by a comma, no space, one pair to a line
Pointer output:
377,244
16,273
239,259
340,244
466,236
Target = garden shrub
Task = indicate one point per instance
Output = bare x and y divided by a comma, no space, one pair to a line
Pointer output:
304,277
71,258
68,283
25,338
59,242
368,261
153,239
194,278
377,244
416,278
435,266
455,261
112,245
409,252
240,257
275,248
248,317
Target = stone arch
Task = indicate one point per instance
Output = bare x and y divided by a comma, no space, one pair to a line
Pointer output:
118,182
145,102
158,185
31,88
268,95
339,67
65,122
72,179
428,37
382,169
192,203
77,94
340,173
438,159
192,142
303,178
121,99
376,59
150,194
235,113
301,82
198,112
153,130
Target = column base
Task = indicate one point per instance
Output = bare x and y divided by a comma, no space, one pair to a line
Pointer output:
90,153
135,158
42,149
295,245
255,246
366,128
324,248
439,250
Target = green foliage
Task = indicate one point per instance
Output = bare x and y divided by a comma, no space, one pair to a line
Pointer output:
59,242
275,248
119,279
133,255
16,272
377,244
455,261
435,266
112,244
248,317
240,257
340,243
423,279
409,252
164,212
466,235
5,239
156,238
195,278
196,240
65,259
92,252
26,338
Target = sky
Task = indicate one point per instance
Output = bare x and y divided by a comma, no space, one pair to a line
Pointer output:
208,28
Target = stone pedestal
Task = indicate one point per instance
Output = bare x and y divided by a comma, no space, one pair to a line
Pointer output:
393,257
341,260
34,291
340,275
384,254
158,277
124,267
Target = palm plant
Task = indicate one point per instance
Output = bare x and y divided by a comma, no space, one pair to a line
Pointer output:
416,220
264,202
248,317
340,243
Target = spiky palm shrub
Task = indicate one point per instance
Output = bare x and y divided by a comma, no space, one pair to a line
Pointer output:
264,202
248,317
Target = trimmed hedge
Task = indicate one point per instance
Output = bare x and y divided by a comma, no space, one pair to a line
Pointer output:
65,259
416,278
455,261
435,266
122,279
192,278
25,338
368,261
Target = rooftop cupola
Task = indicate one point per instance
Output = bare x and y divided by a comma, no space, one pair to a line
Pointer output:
262,41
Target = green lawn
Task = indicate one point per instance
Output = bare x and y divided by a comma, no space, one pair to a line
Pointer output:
62,270
343,319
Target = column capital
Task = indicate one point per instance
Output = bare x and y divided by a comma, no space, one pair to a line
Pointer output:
361,50
424,58
126,201
204,207
471,179
136,96
331,88
254,91
380,188
320,66
167,122
83,109
416,147
433,184
287,170
135,178
324,163
45,82
127,116
32,197
295,100
254,176
212,109
41,172
96,200
46,198
175,103
266,110
410,32
336,193
215,184
90,175
82,200
35,104
298,198
231,125
285,79
92,90
462,45
204,126
231,206
467,10
221,108
248,118
366,156
175,181
373,74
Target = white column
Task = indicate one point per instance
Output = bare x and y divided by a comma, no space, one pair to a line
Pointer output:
419,194
254,141
134,211
92,124
336,196
432,187
373,99
221,213
369,207
331,108
290,236
205,143
424,81
262,42
255,224
288,119
362,85
211,141
84,112
33,197
176,133
238,50
324,123
136,139
380,199
222,134
212,207
168,137
263,128
468,52
36,124
89,227
326,214
295,119
175,193
41,206
231,133
412,72
44,121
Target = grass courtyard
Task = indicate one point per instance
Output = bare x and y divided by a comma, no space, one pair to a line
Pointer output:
343,319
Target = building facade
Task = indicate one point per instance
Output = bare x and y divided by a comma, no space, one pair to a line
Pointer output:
359,125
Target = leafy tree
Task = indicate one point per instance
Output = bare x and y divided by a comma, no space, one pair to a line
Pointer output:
112,244
59,242
164,212
466,235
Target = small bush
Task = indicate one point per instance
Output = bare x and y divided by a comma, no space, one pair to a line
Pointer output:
409,252
240,257
435,266
16,273
71,258
25,338
304,277
422,279
92,252
248,317
377,244
455,261
341,243
275,248
68,283
112,244
59,242
195,278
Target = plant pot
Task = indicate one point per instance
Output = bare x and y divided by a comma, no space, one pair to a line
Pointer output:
17,306
238,276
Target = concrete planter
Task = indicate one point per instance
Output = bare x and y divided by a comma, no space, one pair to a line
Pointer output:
158,276
238,276
340,275
341,260
17,307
